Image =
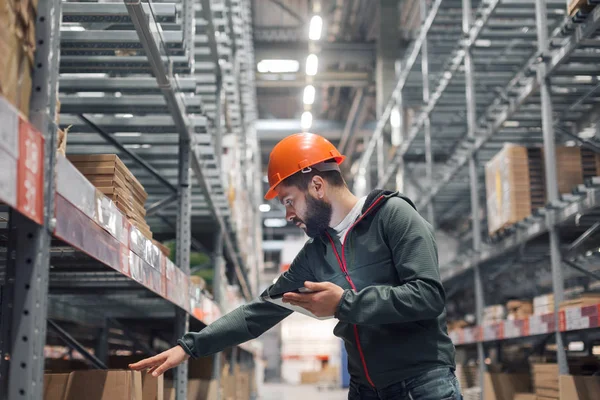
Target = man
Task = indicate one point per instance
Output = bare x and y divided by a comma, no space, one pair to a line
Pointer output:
371,262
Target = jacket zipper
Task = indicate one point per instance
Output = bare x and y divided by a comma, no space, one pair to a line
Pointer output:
343,266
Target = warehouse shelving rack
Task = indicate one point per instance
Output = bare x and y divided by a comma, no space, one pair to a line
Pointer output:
499,71
143,80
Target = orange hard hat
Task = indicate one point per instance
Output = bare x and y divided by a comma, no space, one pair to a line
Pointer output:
297,153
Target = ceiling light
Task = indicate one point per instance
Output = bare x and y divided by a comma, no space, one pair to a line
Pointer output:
583,78
395,118
118,94
511,124
278,66
132,146
309,95
587,133
275,222
396,123
72,27
265,208
306,120
483,43
316,25
312,65
90,94
146,146
124,115
128,134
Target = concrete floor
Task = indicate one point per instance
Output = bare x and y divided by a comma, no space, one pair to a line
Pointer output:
302,392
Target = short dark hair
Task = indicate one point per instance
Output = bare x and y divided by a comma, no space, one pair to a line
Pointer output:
301,180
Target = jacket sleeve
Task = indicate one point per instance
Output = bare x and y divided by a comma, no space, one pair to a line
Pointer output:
250,320
420,295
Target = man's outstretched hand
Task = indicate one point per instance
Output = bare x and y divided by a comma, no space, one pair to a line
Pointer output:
323,300
162,362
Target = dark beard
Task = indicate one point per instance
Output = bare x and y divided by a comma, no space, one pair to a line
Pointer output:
318,216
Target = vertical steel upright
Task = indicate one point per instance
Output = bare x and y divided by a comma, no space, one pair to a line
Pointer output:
183,240
32,242
380,159
551,175
474,181
427,123
219,267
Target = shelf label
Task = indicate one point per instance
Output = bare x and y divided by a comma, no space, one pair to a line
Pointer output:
516,328
494,331
471,335
542,324
9,128
576,318
30,173
8,179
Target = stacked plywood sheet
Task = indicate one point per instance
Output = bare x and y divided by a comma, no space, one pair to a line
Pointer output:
545,381
114,180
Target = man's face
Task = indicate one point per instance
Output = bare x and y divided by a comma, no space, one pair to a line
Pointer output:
305,210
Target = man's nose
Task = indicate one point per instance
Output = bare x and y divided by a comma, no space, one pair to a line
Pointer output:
289,215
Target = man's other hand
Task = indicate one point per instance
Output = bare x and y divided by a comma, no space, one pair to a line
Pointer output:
162,362
323,300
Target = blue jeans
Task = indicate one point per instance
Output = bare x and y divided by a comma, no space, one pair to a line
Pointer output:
436,384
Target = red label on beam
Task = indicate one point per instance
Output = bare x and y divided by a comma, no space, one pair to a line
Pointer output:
30,172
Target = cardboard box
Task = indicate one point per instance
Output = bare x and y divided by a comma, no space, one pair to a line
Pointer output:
152,388
103,385
525,396
508,189
200,368
199,389
505,386
579,387
55,386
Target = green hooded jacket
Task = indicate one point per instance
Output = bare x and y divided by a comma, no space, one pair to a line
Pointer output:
392,315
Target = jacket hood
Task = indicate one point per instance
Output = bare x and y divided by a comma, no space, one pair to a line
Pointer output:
374,196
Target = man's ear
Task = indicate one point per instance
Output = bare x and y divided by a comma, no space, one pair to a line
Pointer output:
318,184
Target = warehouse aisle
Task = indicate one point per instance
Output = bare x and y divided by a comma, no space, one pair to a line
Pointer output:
301,392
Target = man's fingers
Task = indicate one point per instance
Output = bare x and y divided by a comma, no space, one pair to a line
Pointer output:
147,363
161,370
301,298
316,286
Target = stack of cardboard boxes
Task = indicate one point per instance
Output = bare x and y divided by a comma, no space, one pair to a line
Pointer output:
519,309
495,313
508,188
103,385
543,304
545,381
501,386
17,46
515,181
114,180
582,300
